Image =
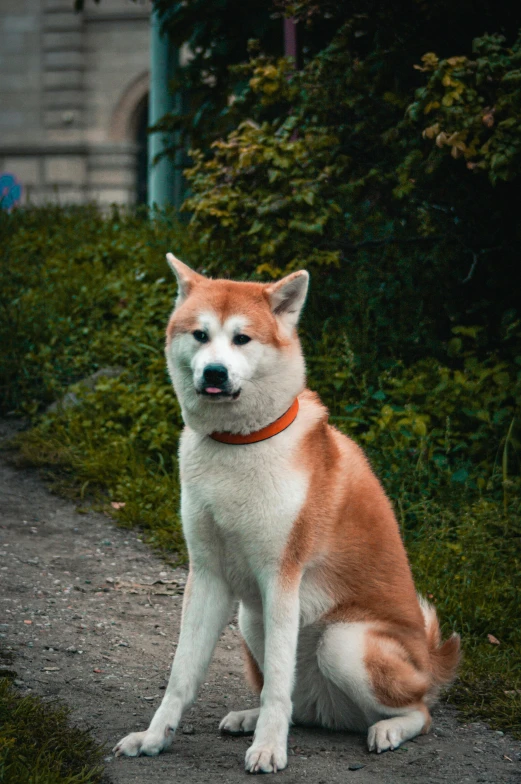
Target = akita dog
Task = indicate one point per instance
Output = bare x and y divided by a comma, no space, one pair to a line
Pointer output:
283,513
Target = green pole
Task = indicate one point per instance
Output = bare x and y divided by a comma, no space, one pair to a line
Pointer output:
165,180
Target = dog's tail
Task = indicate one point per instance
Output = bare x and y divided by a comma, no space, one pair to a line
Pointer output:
444,656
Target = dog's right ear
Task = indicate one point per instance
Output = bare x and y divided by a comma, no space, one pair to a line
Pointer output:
186,278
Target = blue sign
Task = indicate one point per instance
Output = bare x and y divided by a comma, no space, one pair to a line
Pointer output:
10,191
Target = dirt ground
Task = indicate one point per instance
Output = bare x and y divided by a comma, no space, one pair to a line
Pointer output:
91,616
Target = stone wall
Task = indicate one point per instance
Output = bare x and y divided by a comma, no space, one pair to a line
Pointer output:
71,89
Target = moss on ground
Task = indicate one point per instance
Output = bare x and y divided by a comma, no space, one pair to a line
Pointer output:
38,745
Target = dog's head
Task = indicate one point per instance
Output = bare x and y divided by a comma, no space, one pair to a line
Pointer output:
232,349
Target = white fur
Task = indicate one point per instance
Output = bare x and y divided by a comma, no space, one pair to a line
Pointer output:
391,733
269,382
239,505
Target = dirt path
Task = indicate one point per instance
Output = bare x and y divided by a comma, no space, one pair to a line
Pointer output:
81,626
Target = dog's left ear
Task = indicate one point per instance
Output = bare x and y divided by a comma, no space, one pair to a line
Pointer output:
287,296
186,278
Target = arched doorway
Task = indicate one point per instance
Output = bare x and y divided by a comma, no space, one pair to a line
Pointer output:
129,124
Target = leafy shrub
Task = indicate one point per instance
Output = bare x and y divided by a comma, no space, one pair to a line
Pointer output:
327,168
474,107
65,275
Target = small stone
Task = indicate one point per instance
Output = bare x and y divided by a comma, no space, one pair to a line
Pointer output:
356,766
19,683
188,730
498,732
71,649
478,750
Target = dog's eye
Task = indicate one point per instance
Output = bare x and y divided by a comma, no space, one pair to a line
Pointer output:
241,340
200,336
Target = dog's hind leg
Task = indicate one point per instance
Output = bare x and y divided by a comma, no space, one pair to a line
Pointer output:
240,722
378,677
389,734
251,626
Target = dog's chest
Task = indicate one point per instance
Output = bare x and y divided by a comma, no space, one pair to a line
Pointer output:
254,493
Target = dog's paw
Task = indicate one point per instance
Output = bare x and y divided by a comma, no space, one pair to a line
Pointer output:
147,743
265,758
385,735
240,722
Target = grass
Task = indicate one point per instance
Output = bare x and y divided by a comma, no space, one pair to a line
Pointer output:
38,745
442,435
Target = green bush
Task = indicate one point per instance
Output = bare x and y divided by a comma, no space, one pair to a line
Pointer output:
66,276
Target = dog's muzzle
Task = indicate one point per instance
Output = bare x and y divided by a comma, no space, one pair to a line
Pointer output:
215,383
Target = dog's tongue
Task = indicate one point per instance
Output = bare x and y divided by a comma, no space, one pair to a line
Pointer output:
213,390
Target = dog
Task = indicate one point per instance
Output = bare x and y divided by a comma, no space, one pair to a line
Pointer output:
283,513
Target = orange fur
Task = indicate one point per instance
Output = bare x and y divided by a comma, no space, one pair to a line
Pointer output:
254,676
227,299
348,531
395,679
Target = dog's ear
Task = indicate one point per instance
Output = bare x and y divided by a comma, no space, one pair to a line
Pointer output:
287,297
186,277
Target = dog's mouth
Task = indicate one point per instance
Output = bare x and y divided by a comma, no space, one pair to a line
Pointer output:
218,393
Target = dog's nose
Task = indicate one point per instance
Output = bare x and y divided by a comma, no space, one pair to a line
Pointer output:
215,375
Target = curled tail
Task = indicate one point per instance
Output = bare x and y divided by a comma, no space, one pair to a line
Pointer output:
444,656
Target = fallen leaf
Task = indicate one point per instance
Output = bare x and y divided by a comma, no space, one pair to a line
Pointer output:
28,623
118,504
493,640
507,758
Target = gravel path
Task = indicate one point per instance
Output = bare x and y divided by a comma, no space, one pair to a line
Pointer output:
91,615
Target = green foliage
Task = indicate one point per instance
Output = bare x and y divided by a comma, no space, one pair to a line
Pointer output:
474,107
216,38
65,279
119,445
80,292
327,169
38,746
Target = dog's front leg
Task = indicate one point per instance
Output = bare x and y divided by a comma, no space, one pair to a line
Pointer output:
207,606
268,752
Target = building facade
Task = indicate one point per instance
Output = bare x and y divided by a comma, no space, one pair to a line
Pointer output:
74,100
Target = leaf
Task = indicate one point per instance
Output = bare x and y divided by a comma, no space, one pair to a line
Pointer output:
461,475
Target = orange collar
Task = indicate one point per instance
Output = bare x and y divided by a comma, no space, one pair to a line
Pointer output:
264,433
